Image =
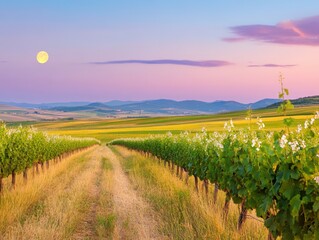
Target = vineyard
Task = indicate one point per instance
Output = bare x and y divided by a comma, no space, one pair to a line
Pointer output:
23,148
274,173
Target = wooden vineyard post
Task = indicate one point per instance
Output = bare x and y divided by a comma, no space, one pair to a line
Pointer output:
181,173
196,183
1,184
48,164
25,175
37,168
186,178
215,192
13,180
42,166
206,183
177,170
242,215
226,206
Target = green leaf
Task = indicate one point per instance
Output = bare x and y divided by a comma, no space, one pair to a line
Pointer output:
295,204
316,206
281,95
286,91
288,121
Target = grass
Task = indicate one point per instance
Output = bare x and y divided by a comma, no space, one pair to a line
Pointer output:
109,129
105,215
184,214
27,199
69,201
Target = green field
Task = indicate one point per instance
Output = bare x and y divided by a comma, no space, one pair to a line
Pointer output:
109,129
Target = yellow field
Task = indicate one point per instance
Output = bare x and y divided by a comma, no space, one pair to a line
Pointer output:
109,129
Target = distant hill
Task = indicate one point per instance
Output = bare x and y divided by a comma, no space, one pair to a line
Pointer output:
169,106
18,114
116,103
165,107
305,101
92,107
45,105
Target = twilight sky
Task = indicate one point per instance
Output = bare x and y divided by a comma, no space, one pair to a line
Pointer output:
135,50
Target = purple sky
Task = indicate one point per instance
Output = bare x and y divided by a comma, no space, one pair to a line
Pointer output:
104,50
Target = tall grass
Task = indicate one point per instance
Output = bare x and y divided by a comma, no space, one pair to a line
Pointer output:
185,214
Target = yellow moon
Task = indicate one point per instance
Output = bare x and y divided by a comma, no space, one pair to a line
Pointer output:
42,57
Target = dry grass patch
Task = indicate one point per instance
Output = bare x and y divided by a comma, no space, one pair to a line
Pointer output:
184,213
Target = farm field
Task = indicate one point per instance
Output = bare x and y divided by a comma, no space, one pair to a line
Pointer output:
107,130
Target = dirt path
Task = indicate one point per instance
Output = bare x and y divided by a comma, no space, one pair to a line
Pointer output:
134,216
86,229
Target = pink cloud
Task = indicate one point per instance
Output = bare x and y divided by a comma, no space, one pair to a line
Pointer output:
272,65
296,32
208,63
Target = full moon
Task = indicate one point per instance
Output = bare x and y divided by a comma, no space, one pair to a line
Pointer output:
42,57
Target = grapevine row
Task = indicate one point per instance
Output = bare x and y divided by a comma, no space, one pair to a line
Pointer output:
275,173
24,147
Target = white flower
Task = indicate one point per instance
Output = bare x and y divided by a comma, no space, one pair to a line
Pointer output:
303,144
169,134
229,126
317,115
306,124
231,123
260,124
299,128
317,180
283,141
294,146
256,143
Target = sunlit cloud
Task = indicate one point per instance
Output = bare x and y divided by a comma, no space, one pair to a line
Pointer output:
208,63
297,32
271,65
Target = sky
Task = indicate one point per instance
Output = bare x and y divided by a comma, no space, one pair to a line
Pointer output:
173,49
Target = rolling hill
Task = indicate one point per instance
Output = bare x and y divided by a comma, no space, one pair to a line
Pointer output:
305,101
166,107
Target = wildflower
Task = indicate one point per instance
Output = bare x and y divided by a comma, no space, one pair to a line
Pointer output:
294,146
283,141
306,124
229,126
256,143
299,128
231,123
312,121
317,115
317,180
260,124
303,144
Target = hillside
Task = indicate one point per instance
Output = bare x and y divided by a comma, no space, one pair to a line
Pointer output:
19,114
305,101
167,107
